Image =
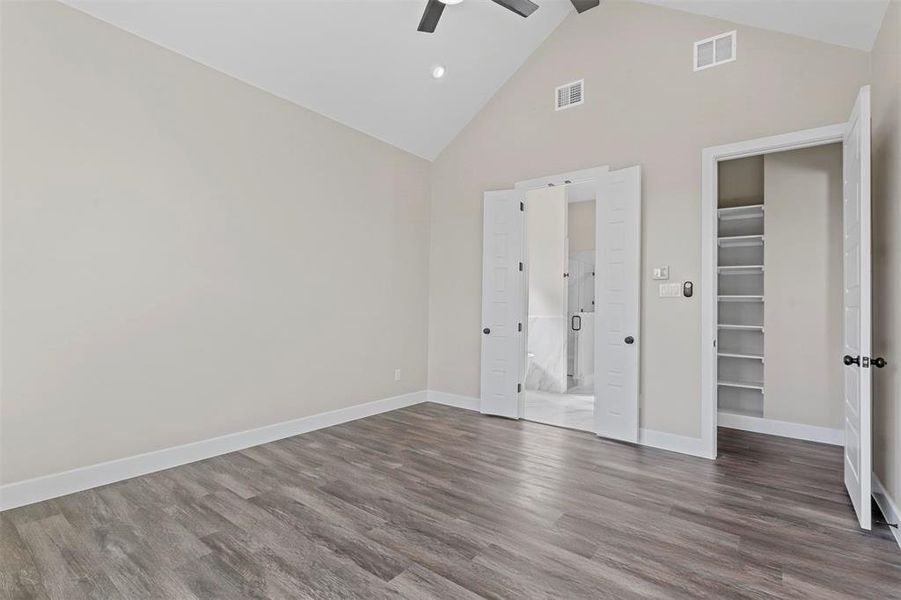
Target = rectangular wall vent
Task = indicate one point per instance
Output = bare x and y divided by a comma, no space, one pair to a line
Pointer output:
569,95
714,51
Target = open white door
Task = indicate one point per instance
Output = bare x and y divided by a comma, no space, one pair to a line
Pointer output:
856,306
502,299
618,304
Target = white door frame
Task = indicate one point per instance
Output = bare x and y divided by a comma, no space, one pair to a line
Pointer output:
796,140
568,178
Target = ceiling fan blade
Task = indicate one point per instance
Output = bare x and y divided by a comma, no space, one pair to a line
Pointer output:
430,17
583,5
523,8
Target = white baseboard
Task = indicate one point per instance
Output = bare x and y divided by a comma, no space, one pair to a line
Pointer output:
647,437
455,400
888,507
810,433
83,478
34,490
672,442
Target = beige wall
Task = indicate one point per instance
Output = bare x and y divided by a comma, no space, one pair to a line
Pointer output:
803,286
644,105
581,226
740,182
186,256
887,250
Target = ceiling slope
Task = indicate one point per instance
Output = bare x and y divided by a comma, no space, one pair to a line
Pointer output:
363,64
851,23
359,62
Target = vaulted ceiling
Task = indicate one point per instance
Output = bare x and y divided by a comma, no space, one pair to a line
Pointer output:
362,62
852,23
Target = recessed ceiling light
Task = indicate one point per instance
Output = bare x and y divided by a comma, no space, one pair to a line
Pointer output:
451,1
438,71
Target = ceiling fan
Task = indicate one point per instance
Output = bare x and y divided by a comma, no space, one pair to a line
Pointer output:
523,8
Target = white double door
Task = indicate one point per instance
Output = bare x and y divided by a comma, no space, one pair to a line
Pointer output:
617,303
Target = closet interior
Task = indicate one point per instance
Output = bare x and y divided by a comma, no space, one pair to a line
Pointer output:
779,293
740,289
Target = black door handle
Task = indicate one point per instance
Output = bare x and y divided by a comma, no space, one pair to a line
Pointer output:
878,362
486,331
629,339
849,360
573,323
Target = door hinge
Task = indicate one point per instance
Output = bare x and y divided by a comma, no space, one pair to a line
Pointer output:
522,207
520,266
518,388
520,326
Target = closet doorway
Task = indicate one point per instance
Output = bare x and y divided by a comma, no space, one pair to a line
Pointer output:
566,360
786,291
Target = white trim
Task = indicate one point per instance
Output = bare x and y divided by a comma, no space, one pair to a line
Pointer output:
798,431
455,400
715,63
709,158
571,177
888,507
672,442
83,478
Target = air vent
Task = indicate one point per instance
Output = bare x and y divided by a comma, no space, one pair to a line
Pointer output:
714,51
569,95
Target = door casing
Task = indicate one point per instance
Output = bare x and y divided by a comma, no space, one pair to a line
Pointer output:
710,157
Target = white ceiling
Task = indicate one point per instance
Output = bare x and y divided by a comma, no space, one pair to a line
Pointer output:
362,62
852,23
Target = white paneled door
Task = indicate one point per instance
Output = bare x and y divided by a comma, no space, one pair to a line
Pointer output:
618,304
502,302
856,308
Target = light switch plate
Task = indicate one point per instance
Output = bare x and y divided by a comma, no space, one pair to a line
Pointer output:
660,272
670,290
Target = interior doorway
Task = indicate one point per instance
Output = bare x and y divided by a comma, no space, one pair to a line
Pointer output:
754,375
616,343
561,253
779,286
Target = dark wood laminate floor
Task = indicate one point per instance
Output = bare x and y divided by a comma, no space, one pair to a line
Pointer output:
435,502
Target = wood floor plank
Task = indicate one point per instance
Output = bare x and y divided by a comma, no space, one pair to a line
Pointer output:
418,583
68,568
433,502
19,576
